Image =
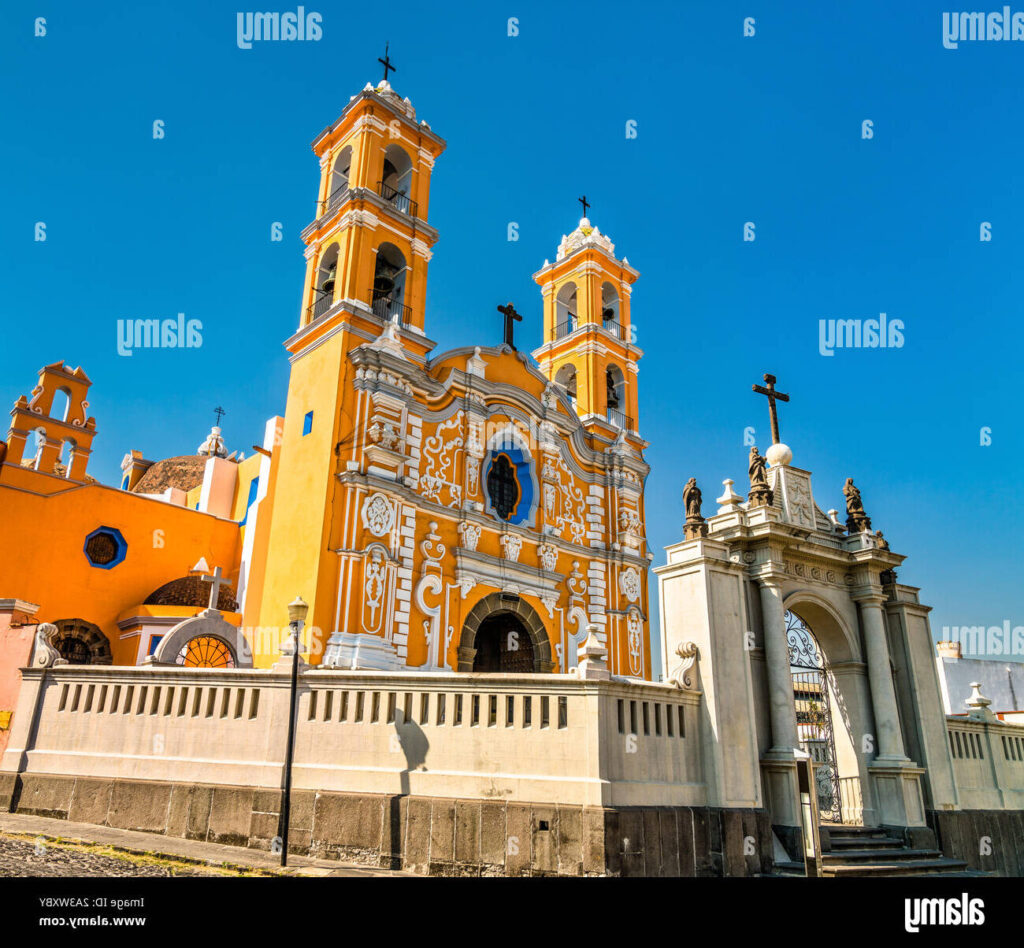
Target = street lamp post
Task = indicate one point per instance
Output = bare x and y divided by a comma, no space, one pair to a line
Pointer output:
296,617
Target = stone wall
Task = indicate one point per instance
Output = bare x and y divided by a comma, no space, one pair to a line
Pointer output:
986,839
430,836
536,738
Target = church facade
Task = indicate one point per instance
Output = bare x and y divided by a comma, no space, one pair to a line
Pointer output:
473,510
466,535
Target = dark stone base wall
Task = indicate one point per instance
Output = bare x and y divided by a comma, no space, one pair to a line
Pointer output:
427,835
990,840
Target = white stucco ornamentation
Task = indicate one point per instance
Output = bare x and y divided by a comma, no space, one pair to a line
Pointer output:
629,583
440,458
548,556
563,501
470,533
511,544
634,629
378,514
432,548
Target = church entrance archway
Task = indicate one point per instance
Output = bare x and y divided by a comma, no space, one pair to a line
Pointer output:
503,645
812,688
504,633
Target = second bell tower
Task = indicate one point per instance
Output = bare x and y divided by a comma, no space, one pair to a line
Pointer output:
588,333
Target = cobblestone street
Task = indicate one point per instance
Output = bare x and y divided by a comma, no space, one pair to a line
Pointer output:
43,857
39,846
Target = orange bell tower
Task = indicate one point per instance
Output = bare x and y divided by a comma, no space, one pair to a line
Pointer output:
589,342
368,249
367,254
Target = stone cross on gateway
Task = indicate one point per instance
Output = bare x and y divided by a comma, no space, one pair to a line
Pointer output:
215,581
773,395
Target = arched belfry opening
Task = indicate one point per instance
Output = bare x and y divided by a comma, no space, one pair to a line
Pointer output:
566,310
396,180
610,309
326,280
388,297
339,183
566,377
504,633
615,384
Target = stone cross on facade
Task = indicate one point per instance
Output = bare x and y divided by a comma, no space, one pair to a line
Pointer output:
773,396
511,318
215,581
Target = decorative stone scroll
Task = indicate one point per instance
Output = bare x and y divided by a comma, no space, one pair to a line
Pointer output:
680,677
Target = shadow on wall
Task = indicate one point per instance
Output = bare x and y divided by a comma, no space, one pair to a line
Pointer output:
413,743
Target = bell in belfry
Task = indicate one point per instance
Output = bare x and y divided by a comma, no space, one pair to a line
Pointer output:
328,284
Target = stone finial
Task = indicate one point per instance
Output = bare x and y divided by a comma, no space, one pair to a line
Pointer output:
213,446
977,699
593,656
729,498
979,704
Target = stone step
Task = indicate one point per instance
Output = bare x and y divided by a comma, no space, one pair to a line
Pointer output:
851,829
869,842
918,867
869,855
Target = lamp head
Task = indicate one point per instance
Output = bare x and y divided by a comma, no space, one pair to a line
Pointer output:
297,610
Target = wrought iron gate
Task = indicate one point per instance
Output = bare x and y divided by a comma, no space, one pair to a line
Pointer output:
814,714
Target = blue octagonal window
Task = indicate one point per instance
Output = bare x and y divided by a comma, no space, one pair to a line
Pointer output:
105,547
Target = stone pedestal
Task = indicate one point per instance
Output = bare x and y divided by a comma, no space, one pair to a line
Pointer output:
355,651
760,497
782,798
704,612
898,798
695,528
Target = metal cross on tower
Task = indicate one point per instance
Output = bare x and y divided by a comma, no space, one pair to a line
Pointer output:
773,396
386,62
219,412
215,581
583,200
511,318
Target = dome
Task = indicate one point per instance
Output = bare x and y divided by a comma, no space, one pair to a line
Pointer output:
183,472
191,591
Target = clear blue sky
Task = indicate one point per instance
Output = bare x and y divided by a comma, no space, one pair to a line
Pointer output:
729,129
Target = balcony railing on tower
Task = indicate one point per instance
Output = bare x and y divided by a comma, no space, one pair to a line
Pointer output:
620,419
321,303
566,326
389,309
398,198
334,200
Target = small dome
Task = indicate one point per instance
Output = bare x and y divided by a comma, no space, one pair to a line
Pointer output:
184,472
191,591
